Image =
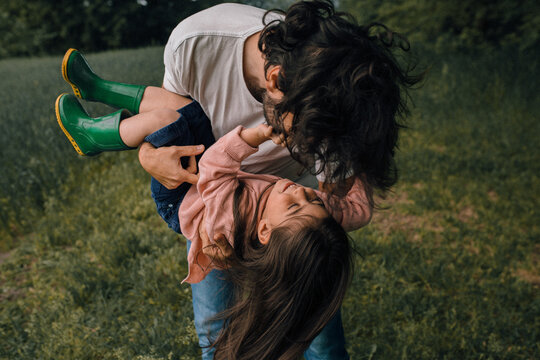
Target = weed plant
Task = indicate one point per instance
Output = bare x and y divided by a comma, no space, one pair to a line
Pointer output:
449,269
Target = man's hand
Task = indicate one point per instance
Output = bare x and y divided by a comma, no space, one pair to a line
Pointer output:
220,251
164,163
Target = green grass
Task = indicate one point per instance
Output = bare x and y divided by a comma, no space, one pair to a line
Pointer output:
451,270
36,160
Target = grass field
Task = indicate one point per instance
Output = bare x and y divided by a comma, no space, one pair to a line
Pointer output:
449,270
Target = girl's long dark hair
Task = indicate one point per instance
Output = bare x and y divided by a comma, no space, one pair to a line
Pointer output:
286,291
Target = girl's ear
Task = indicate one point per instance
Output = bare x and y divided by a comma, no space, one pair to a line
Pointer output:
271,83
263,231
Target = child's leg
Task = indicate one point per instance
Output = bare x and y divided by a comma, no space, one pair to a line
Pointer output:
89,136
134,129
116,131
159,98
135,98
192,127
89,86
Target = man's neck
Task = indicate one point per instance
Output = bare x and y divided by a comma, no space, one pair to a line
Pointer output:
253,66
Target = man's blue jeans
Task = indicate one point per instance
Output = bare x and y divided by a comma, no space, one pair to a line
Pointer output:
212,295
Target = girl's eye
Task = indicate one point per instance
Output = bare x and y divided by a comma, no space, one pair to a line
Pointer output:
292,205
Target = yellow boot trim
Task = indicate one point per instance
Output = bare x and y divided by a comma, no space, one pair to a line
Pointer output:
59,119
76,90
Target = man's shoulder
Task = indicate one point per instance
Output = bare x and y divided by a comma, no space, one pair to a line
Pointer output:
226,20
228,8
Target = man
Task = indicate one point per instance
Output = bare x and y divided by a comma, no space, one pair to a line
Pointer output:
331,89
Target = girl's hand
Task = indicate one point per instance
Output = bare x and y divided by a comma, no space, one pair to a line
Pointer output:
220,251
257,135
266,132
279,139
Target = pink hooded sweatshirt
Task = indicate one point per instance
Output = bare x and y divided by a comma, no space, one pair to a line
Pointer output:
212,199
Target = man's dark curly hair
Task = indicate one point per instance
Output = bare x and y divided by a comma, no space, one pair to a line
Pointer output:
344,87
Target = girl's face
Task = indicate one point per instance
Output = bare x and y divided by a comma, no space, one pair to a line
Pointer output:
288,200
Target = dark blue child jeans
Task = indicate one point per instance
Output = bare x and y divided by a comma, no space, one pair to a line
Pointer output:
211,296
192,128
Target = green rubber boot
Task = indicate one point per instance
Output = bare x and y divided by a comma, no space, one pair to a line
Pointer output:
89,136
88,86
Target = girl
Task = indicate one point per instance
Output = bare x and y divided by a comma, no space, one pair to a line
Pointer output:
291,263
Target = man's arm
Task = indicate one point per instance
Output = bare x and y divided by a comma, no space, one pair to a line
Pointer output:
164,163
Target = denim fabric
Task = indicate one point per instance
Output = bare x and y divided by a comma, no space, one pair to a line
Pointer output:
191,128
210,297
330,343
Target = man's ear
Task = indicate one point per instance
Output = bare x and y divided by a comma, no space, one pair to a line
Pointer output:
272,83
263,231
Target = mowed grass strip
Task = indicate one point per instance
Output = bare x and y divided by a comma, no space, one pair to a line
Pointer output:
449,269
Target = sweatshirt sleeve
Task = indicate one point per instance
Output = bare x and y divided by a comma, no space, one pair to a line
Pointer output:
353,210
218,179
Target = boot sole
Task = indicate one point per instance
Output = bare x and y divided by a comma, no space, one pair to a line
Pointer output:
76,90
59,119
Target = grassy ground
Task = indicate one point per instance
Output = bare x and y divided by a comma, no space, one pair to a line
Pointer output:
451,270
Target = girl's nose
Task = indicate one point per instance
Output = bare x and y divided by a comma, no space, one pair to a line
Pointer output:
300,193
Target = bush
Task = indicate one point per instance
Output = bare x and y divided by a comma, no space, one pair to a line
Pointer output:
38,27
456,25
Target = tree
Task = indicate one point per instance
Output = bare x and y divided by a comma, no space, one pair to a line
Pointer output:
36,27
456,24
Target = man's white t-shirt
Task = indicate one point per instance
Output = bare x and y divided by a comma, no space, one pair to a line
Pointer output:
203,59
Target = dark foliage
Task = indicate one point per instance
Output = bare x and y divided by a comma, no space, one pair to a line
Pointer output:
37,27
